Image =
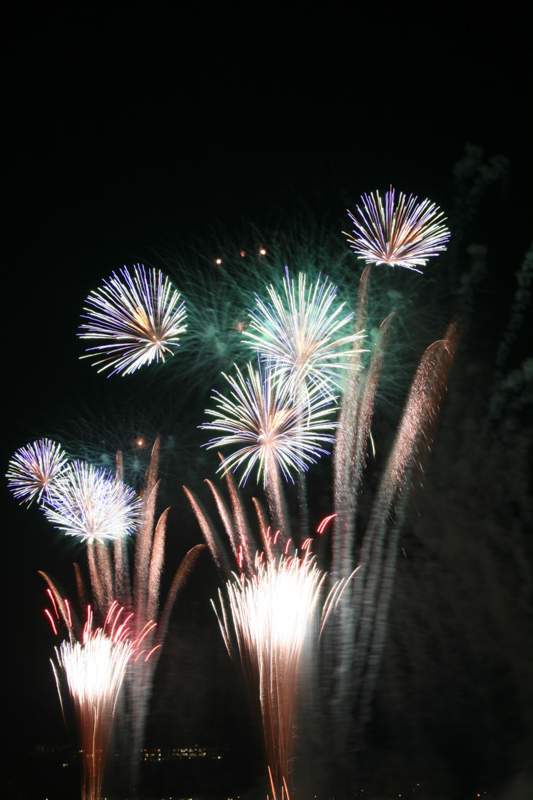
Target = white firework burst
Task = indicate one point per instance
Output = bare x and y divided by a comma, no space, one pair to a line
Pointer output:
402,235
34,468
94,671
91,504
140,319
300,334
261,415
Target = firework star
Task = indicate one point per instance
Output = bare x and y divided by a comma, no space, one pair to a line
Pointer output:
140,319
402,235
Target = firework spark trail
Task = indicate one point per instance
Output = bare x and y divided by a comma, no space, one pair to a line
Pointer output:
414,435
264,528
364,616
140,318
351,450
226,518
149,557
241,522
80,587
355,444
209,532
272,614
99,592
144,538
156,566
345,441
299,335
60,603
405,235
356,635
94,670
34,469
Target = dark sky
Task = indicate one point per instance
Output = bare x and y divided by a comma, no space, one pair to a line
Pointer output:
130,126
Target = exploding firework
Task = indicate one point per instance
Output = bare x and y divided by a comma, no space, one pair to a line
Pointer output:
140,318
94,671
261,416
34,469
90,503
272,615
403,236
278,433
299,334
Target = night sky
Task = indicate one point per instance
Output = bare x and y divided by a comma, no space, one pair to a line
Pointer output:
133,130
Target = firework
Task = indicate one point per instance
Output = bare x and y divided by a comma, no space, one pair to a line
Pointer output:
94,670
299,334
278,434
403,236
272,615
89,503
261,415
34,469
140,318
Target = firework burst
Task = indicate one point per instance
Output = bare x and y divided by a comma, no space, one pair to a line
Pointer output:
33,470
89,503
260,415
139,317
300,334
402,235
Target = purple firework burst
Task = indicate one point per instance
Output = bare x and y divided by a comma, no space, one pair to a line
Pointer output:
405,234
34,468
139,317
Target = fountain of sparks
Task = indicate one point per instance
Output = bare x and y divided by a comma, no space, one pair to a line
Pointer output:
92,672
